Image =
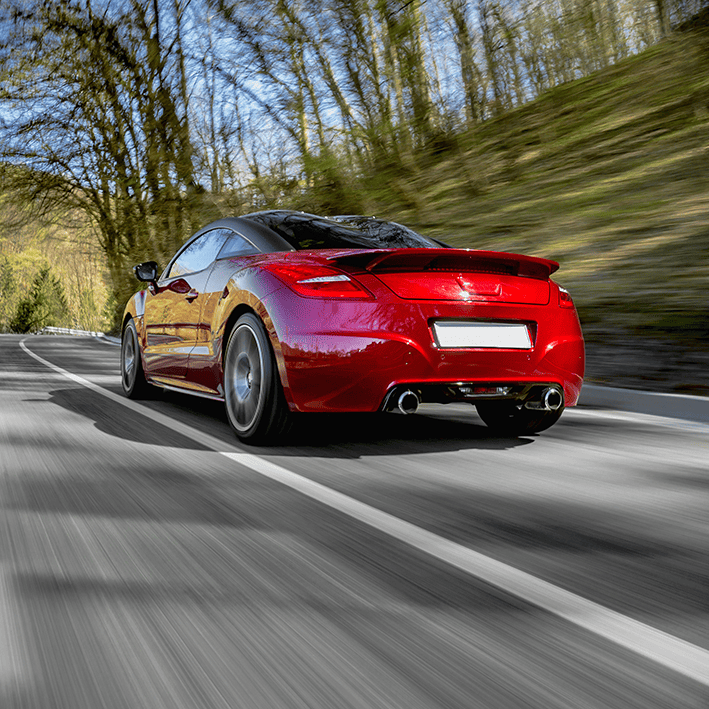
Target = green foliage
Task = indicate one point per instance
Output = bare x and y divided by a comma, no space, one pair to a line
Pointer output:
8,286
45,305
100,122
17,271
28,244
606,174
113,313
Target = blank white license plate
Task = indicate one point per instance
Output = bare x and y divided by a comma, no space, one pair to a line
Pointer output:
504,336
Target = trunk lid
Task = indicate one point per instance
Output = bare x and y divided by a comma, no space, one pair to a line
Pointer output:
456,274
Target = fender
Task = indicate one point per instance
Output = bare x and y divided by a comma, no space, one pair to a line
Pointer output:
135,309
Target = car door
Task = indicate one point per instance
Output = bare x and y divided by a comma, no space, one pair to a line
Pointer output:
172,309
204,364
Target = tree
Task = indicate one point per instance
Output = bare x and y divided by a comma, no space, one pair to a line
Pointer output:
8,289
96,100
663,19
469,73
46,305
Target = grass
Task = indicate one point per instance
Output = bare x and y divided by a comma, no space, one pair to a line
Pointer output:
609,175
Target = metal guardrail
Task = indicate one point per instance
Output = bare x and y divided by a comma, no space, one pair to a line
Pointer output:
79,333
69,331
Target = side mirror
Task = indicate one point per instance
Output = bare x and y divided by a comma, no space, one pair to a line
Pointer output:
147,271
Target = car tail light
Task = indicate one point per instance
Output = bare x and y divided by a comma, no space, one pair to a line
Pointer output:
565,300
313,281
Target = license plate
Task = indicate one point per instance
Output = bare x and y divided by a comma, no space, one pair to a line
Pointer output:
503,336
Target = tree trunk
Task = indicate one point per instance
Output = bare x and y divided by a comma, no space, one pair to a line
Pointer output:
663,19
466,54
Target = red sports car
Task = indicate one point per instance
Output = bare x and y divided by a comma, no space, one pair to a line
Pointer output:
281,312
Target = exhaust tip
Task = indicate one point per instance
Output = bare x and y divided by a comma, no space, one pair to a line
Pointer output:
408,402
552,400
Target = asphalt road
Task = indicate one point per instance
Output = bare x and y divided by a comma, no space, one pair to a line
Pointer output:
147,560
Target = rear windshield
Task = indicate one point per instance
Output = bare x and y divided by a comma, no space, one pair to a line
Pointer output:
307,231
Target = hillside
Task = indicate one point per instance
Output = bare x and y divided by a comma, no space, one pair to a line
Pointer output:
609,175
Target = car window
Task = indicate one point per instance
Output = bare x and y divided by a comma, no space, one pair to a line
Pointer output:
307,231
236,245
199,254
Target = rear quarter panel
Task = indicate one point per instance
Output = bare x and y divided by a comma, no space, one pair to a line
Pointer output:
235,286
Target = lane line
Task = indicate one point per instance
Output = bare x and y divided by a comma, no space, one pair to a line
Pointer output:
671,652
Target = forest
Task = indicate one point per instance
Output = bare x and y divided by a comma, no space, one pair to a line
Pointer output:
573,129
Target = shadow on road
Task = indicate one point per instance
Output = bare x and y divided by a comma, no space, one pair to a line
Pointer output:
315,435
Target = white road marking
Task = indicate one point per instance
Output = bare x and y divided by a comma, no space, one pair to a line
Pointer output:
683,657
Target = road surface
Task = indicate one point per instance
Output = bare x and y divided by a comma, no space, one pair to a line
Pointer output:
148,560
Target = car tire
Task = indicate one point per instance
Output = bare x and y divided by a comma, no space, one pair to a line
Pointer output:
508,418
133,378
253,396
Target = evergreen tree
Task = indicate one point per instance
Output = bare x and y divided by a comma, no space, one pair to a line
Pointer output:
45,305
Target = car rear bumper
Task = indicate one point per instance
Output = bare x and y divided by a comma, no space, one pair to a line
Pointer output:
350,356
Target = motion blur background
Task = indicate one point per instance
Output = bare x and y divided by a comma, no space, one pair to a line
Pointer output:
571,129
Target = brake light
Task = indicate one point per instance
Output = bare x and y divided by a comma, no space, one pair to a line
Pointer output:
314,281
565,300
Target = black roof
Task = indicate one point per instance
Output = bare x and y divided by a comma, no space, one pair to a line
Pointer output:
310,231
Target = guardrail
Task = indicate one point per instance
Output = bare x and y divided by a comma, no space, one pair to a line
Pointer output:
69,331
79,333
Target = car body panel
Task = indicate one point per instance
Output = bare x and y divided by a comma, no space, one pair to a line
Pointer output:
235,285
172,322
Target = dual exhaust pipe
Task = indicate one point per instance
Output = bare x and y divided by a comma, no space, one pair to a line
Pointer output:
551,399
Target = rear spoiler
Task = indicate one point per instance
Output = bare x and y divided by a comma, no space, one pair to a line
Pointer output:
469,260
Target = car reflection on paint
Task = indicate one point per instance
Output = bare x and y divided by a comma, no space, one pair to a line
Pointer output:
281,312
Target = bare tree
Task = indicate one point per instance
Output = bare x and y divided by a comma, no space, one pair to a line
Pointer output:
99,121
469,72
